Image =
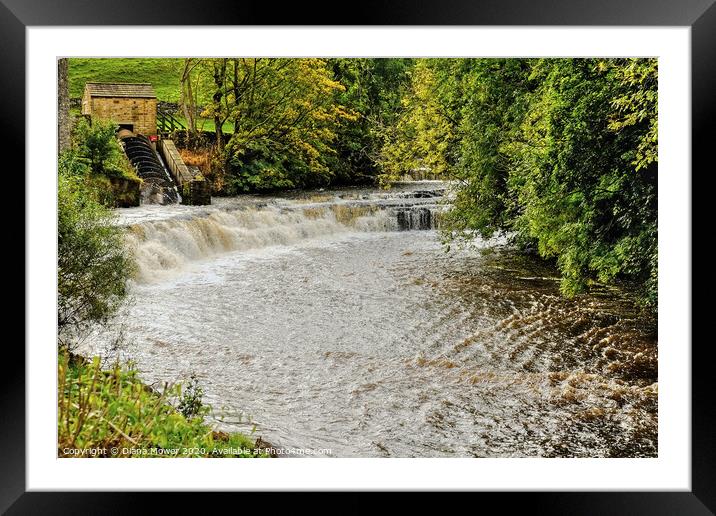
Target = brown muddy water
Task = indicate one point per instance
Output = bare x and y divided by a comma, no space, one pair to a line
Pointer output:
336,321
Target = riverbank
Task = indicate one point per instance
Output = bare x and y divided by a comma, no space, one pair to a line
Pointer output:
112,413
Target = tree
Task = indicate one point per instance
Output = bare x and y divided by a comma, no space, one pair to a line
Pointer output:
285,119
299,122
216,108
586,196
424,135
187,100
636,104
494,103
373,90
64,123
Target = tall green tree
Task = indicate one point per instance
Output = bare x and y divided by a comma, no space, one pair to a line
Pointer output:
373,90
560,154
285,119
64,121
588,200
424,136
187,98
493,104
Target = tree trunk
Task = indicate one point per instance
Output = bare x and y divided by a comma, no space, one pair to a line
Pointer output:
219,82
187,100
64,123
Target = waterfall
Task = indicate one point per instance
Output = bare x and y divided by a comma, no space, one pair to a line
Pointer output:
415,218
170,242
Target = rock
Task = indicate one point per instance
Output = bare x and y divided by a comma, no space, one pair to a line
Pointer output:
265,446
218,435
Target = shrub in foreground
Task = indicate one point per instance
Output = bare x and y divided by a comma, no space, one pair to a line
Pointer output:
113,414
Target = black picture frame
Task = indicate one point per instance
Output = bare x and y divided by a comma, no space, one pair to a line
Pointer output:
700,15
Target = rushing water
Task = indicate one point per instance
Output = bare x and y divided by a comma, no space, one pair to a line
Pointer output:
336,320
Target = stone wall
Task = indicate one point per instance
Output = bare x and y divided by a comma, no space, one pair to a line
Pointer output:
173,160
141,113
196,193
125,192
195,190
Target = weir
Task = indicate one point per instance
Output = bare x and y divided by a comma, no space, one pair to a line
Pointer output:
169,239
194,191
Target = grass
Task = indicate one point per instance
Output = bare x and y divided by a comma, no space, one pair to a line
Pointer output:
207,124
164,74
113,414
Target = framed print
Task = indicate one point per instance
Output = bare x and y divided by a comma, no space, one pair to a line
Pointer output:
428,249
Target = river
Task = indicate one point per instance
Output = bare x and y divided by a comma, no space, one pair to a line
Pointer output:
336,321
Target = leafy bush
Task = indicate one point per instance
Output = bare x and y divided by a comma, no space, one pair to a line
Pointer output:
259,167
93,262
96,145
72,164
114,412
190,403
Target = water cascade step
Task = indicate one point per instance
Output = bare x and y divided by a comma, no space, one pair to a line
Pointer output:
170,238
415,218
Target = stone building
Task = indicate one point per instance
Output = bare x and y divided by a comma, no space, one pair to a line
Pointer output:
131,106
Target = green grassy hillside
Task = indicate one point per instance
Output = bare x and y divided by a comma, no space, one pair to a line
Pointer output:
162,73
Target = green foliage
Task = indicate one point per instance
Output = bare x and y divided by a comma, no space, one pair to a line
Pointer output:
72,164
97,146
373,89
264,165
190,402
93,261
494,90
298,122
423,136
285,119
636,104
115,412
559,153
